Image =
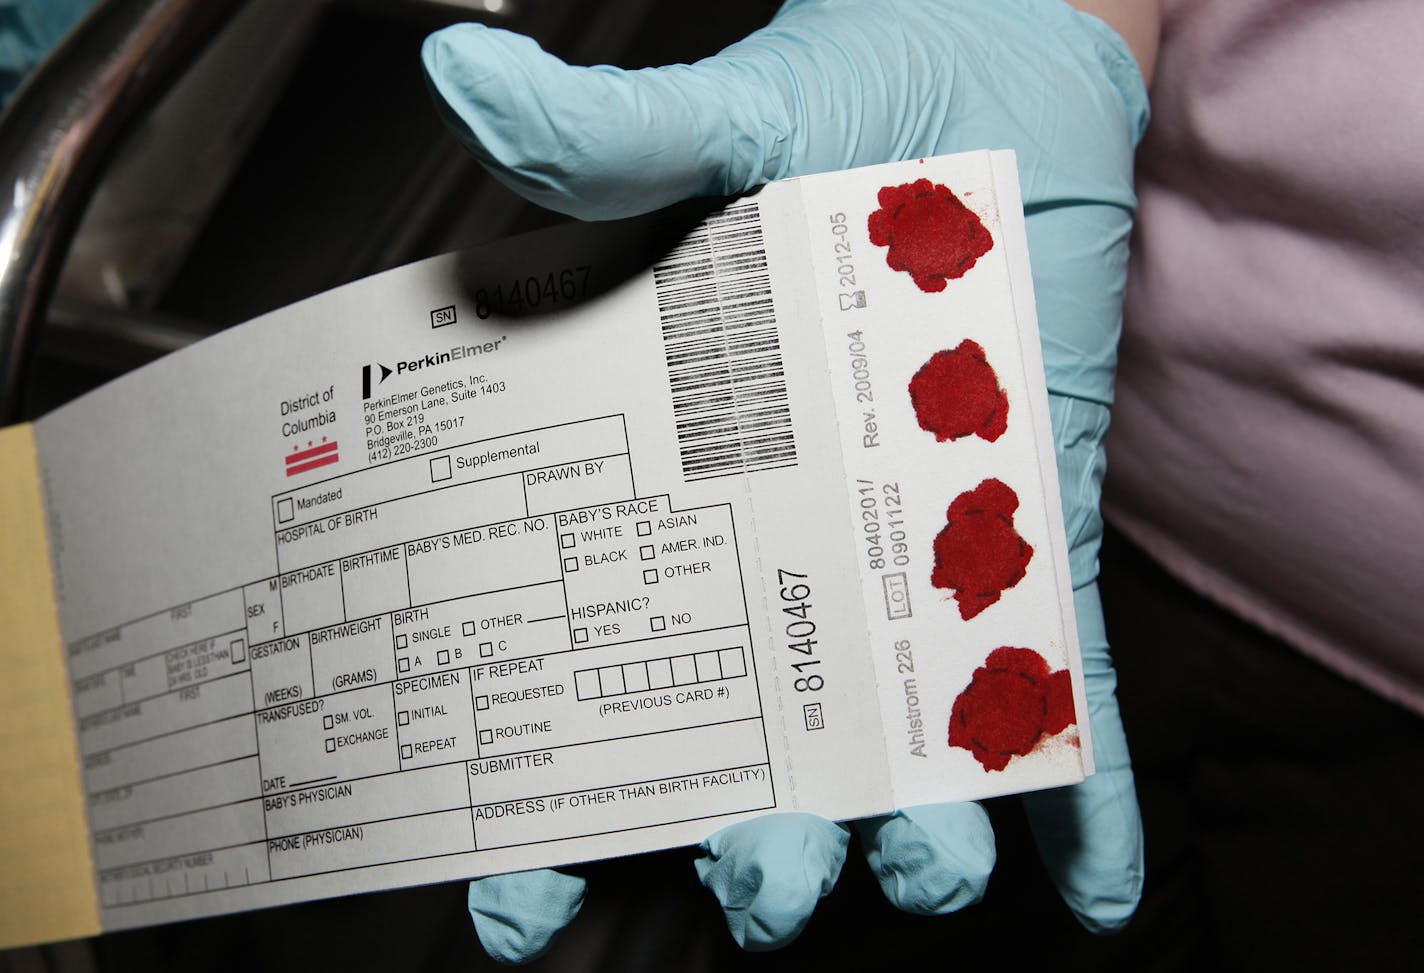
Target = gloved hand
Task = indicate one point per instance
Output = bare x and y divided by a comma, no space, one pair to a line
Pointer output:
832,84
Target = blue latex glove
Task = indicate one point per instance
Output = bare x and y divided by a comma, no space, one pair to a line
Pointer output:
28,29
832,84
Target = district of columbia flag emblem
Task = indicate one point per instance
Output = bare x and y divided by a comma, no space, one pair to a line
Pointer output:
312,456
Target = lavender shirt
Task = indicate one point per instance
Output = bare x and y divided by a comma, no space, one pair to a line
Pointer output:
1268,439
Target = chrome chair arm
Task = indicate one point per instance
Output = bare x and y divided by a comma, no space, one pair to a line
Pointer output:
56,136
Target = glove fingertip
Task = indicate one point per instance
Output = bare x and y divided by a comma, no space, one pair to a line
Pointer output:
1105,913
1106,918
447,49
1090,838
452,49
931,860
518,915
768,875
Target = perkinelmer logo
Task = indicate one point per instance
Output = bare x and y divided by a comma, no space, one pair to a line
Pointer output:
366,378
454,354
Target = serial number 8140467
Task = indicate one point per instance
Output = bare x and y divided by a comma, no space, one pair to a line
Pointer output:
523,296
800,629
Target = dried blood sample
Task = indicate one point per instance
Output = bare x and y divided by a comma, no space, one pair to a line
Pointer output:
931,235
979,553
956,393
1012,703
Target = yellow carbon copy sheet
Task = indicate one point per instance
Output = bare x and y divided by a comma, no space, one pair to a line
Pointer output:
401,585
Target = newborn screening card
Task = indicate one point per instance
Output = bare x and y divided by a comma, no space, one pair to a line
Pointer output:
488,563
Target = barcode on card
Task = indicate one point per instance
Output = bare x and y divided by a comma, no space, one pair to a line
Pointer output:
723,353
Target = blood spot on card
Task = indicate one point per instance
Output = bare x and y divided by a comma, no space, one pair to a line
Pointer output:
978,554
956,393
930,233
1012,704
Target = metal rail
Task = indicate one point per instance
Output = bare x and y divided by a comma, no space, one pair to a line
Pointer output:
55,137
